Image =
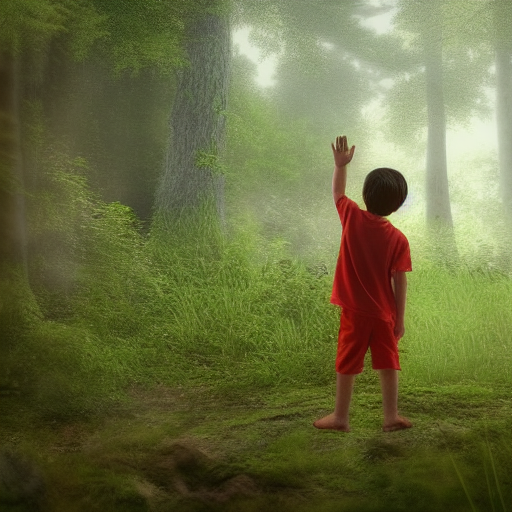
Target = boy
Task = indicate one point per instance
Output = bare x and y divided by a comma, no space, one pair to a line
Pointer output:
370,285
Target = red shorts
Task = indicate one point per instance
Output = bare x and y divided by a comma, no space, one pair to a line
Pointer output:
357,333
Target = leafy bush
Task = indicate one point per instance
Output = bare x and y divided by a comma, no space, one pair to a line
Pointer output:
62,371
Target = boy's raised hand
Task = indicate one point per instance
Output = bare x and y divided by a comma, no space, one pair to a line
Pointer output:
342,155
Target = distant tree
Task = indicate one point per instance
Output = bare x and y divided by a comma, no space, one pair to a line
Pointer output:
443,84
27,27
431,34
455,44
502,32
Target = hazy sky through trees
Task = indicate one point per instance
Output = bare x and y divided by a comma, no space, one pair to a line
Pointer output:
388,121
481,130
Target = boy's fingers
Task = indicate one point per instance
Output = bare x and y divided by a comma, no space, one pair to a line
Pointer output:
342,145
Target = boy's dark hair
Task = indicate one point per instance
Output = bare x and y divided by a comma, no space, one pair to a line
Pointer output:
384,191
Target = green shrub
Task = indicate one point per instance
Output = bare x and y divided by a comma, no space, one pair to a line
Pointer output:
61,371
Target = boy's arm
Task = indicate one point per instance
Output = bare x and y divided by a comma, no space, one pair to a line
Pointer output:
342,157
400,291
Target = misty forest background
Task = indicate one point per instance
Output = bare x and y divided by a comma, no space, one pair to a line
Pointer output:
166,220
168,241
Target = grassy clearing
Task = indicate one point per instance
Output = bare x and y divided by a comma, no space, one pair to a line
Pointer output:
199,449
189,301
183,372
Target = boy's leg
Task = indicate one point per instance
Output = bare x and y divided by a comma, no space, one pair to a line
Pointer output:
339,419
389,387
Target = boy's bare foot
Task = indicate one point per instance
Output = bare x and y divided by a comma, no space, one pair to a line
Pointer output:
400,423
330,423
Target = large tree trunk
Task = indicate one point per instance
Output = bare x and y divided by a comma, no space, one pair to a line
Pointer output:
193,176
17,305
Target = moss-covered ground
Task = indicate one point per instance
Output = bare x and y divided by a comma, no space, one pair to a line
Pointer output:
210,448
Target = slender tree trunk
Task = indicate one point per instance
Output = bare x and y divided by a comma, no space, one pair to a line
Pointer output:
438,198
193,174
503,45
439,215
503,54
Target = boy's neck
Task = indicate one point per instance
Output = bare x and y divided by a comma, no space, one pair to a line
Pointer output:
380,217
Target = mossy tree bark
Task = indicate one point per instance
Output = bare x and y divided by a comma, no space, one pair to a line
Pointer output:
193,175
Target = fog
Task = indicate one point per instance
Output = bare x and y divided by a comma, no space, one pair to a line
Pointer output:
240,112
258,104
476,181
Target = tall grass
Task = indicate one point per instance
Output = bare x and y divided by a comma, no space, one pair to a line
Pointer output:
458,326
192,301
247,309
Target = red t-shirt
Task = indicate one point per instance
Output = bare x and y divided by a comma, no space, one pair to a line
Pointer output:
371,250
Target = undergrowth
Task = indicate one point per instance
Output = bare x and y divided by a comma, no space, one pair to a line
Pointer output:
193,305
192,301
